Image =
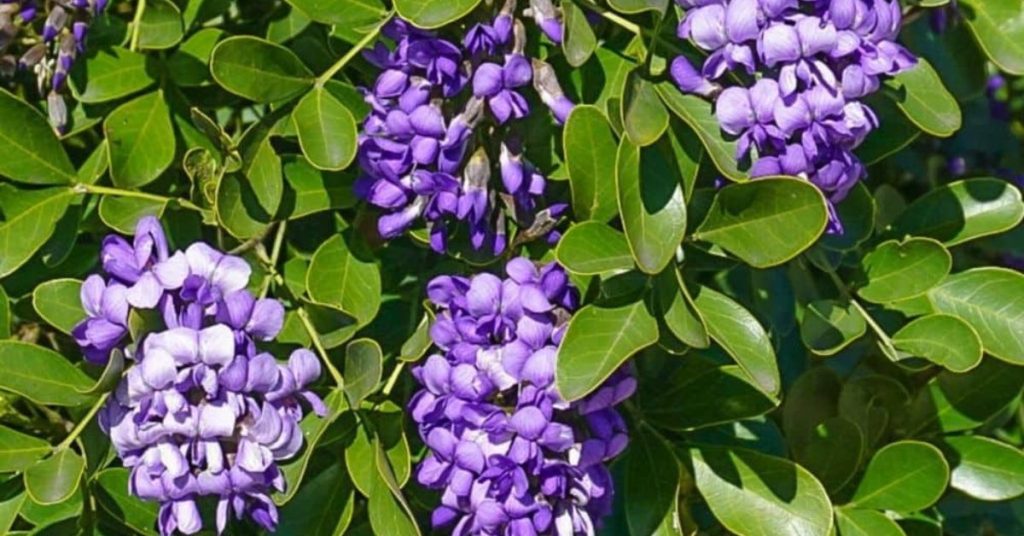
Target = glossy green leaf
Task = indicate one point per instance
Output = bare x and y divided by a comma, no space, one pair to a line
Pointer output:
651,203
643,114
898,271
261,164
954,54
238,209
122,213
140,140
58,302
742,336
894,133
54,479
259,70
388,434
5,314
829,326
678,311
590,150
313,428
20,451
189,65
50,515
109,74
597,342
833,452
419,343
651,482
161,26
26,230
111,490
388,510
638,6
944,340
592,248
998,25
363,369
751,493
990,300
41,375
697,113
32,152
345,279
323,507
12,498
857,522
310,190
962,211
953,402
326,129
579,41
926,101
359,14
430,14
765,222
905,476
984,468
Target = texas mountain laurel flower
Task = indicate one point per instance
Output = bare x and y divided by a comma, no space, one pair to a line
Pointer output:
438,145
509,455
203,413
807,64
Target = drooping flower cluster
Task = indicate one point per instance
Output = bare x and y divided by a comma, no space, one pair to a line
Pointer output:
423,150
511,456
811,62
55,49
203,412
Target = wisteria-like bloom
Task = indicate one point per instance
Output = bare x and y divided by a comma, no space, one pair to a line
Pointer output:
203,412
510,456
57,44
813,60
425,150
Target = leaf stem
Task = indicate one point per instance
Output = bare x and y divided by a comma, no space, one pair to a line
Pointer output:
83,188
140,9
83,423
275,255
613,17
883,337
356,49
388,387
338,379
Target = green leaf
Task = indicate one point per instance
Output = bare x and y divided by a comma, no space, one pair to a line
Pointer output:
26,230
342,278
260,162
431,14
189,65
985,469
50,515
579,42
920,94
326,129
638,6
5,315
651,203
810,402
54,479
998,25
697,113
32,152
388,510
894,133
58,302
765,222
904,477
323,507
65,236
829,326
313,428
592,248
678,311
833,452
419,343
991,300
20,451
111,486
857,212
387,432
751,493
238,209
590,150
899,271
597,342
363,369
12,498
956,402
742,336
110,74
953,53
358,14
259,70
41,375
311,190
140,138
944,340
122,213
855,522
643,114
962,211
651,482
161,26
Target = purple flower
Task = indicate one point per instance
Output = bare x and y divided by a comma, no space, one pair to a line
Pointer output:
107,322
510,456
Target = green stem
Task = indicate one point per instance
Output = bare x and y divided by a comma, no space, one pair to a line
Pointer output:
106,190
388,387
356,49
275,255
140,9
338,379
883,337
613,17
83,423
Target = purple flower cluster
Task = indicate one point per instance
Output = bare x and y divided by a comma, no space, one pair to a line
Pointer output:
510,456
420,150
812,60
202,413
59,44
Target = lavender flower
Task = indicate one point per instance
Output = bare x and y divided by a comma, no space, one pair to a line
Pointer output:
510,456
813,61
421,151
203,412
